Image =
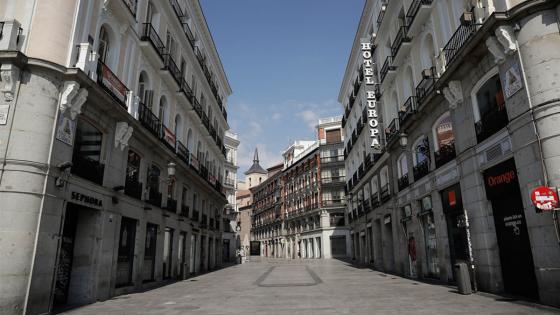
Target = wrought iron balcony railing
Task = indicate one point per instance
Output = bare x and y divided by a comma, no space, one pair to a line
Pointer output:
407,110
149,34
421,169
403,182
111,83
87,168
387,66
149,120
445,154
171,66
171,205
414,8
133,188
426,86
154,198
400,38
392,130
491,122
463,33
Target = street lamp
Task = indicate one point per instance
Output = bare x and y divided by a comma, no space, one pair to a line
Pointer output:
403,140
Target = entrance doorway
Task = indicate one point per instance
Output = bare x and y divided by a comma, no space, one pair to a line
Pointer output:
182,255
502,189
338,245
168,253
389,258
125,260
150,253
76,262
225,250
452,204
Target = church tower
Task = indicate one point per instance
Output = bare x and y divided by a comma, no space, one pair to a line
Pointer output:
256,174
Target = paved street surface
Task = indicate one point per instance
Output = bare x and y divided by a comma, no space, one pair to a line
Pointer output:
307,287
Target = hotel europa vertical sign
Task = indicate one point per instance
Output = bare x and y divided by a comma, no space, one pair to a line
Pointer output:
371,100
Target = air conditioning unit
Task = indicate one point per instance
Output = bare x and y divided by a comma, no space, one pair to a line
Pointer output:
467,18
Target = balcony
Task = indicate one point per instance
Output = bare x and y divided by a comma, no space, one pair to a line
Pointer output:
392,131
178,10
133,188
491,122
111,83
149,120
381,14
407,110
421,169
388,71
334,202
375,202
157,49
184,211
333,180
187,90
230,183
385,193
172,69
401,45
204,220
403,182
417,14
171,205
332,159
463,33
87,168
154,198
131,5
195,215
189,33
445,154
426,86
182,152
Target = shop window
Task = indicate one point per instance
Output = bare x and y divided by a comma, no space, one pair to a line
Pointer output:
490,110
133,187
86,158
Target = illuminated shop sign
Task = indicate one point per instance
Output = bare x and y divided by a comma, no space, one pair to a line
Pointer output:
371,100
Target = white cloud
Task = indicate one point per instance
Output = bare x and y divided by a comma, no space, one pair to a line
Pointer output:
309,117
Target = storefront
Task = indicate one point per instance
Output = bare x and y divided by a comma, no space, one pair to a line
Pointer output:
502,189
150,253
452,204
430,239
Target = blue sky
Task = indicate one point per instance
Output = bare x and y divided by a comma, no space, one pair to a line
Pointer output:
285,61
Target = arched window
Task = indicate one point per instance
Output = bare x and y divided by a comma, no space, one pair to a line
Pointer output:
428,52
154,174
421,157
132,173
163,110
402,166
444,140
190,140
143,86
104,45
178,127
489,106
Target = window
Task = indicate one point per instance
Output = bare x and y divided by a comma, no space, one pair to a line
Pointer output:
86,158
162,110
104,44
421,151
133,187
154,195
444,140
402,168
333,136
490,110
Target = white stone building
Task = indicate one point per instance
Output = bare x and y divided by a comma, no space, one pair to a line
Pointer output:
112,123
231,240
465,100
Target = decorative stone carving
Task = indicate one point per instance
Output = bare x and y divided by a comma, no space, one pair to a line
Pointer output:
72,99
453,94
9,74
506,37
495,49
123,132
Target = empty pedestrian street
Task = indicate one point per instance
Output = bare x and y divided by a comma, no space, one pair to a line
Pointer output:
307,287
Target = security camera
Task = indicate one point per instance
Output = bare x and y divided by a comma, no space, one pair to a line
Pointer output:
65,165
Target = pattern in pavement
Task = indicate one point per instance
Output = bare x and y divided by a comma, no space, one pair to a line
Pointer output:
307,287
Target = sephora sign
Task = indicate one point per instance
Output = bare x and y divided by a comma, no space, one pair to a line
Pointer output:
371,100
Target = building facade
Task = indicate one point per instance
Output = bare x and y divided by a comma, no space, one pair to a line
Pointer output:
111,135
458,95
298,212
231,241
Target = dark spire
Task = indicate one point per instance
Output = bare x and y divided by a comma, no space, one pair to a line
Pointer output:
256,167
256,156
